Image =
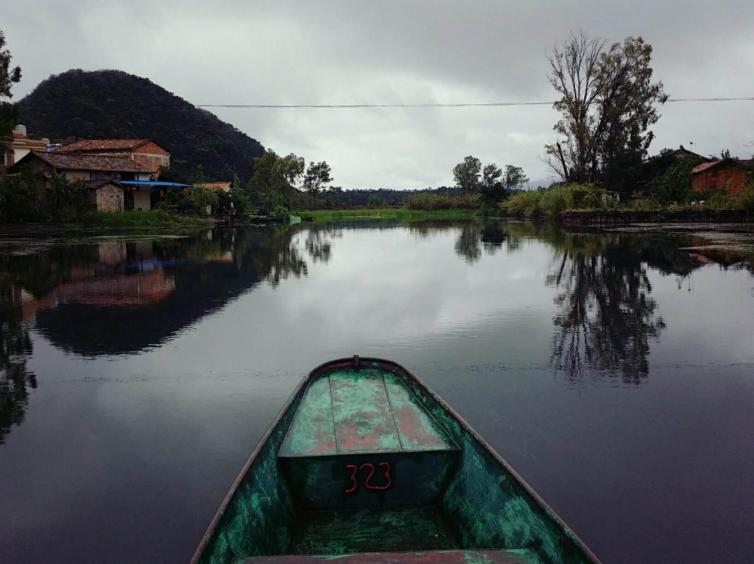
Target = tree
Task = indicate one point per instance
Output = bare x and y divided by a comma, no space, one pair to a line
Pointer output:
466,174
491,175
515,178
674,185
607,104
239,199
491,187
274,179
317,175
8,77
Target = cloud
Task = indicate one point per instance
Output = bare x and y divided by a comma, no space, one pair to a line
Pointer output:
357,51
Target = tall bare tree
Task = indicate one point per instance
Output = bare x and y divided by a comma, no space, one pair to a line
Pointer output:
607,103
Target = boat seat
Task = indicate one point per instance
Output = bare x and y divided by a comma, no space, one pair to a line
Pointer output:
360,438
450,556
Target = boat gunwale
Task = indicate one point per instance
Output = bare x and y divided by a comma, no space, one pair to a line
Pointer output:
356,361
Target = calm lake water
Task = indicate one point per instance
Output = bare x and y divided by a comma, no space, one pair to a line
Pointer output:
614,371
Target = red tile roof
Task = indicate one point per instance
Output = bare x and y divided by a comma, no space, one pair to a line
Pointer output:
105,163
704,166
102,145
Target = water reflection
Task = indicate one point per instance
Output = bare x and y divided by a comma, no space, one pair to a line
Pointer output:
606,316
15,349
124,296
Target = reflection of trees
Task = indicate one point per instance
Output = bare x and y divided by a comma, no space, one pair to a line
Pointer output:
15,348
605,316
468,243
475,236
318,242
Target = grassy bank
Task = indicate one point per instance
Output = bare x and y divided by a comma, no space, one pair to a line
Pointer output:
400,214
144,219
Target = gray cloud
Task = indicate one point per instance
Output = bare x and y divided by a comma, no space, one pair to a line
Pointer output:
359,51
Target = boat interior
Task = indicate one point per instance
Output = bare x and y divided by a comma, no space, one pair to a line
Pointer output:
366,461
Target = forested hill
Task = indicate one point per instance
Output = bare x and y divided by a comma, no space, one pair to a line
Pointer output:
109,103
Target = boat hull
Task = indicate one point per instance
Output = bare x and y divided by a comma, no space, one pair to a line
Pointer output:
466,497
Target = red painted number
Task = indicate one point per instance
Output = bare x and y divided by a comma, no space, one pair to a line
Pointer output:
353,477
353,485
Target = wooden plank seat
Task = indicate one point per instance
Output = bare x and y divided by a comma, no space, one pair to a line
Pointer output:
430,557
360,439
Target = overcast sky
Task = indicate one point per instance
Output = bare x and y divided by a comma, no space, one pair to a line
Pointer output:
367,51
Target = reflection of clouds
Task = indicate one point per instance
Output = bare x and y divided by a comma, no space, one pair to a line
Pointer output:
388,283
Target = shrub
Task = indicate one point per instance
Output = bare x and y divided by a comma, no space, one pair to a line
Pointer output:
280,212
196,200
745,199
643,204
556,199
19,201
429,202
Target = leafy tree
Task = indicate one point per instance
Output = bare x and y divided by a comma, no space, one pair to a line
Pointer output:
317,175
496,186
674,185
491,187
8,77
466,174
274,179
65,200
515,178
375,201
491,175
241,204
196,200
607,104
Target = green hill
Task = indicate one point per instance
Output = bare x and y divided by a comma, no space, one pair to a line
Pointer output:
89,105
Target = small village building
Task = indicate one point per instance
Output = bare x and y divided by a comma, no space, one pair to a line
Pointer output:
654,167
18,145
729,175
132,165
146,152
106,195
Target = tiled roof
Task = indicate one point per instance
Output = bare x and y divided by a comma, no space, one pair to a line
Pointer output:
90,162
706,166
96,183
102,145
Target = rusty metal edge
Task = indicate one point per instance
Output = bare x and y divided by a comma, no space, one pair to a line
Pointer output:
382,363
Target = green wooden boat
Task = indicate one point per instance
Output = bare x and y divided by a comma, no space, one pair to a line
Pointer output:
365,464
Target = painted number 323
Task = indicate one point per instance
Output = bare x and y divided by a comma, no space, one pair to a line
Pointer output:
366,472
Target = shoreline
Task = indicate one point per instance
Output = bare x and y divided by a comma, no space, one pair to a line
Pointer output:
619,218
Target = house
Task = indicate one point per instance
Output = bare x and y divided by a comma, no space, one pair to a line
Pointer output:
92,169
726,174
18,145
657,165
133,166
143,151
106,195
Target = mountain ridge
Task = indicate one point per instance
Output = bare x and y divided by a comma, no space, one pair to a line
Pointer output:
79,104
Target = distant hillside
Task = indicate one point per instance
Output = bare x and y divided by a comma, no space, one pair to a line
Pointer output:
79,104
